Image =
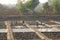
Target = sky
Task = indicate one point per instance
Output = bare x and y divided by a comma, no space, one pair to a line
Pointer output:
43,1
7,2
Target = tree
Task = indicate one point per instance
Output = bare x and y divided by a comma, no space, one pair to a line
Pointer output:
57,6
48,10
28,6
46,7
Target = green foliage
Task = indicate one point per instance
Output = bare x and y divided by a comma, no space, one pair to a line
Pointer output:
29,5
57,6
21,7
46,6
49,10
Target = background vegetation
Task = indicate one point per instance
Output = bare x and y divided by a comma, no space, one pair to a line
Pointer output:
29,6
